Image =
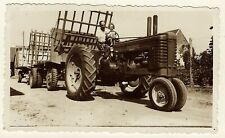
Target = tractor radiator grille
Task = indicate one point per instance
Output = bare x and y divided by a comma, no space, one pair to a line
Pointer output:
163,52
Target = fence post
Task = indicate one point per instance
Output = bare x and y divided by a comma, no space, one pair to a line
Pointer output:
191,55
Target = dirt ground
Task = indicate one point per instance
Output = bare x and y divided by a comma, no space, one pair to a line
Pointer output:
39,107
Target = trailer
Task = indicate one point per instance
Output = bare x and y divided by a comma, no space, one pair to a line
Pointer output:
21,63
42,68
12,61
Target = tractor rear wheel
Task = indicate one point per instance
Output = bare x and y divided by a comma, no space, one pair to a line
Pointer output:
80,73
137,88
35,78
162,94
181,91
52,79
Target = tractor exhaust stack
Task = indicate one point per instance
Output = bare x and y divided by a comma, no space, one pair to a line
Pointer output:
149,26
155,24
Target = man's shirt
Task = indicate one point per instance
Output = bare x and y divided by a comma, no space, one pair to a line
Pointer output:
101,35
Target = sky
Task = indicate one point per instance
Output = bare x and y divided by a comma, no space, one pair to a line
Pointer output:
129,21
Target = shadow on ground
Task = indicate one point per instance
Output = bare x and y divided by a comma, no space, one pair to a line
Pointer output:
122,97
14,92
57,89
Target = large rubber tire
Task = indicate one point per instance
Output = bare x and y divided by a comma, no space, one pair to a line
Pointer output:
35,78
162,89
80,73
28,79
40,80
140,90
181,91
20,77
52,79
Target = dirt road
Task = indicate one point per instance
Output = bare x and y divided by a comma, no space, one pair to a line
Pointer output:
39,107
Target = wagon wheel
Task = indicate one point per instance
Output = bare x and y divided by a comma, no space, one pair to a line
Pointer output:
20,76
162,94
80,73
35,78
52,79
28,79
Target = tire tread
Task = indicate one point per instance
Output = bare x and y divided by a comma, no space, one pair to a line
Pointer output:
89,73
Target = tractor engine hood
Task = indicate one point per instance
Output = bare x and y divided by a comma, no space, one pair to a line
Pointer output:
145,43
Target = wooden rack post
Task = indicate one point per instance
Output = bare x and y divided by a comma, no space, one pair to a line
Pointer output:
74,15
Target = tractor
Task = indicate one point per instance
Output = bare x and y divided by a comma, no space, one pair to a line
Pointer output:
139,65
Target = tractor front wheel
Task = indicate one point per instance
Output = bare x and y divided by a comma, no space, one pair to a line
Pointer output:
181,91
162,94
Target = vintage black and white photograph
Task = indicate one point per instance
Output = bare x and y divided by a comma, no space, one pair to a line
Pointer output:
102,66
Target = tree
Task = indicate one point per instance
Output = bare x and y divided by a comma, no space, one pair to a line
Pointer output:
186,56
203,66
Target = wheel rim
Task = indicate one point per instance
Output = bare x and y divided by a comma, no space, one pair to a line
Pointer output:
74,75
159,95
